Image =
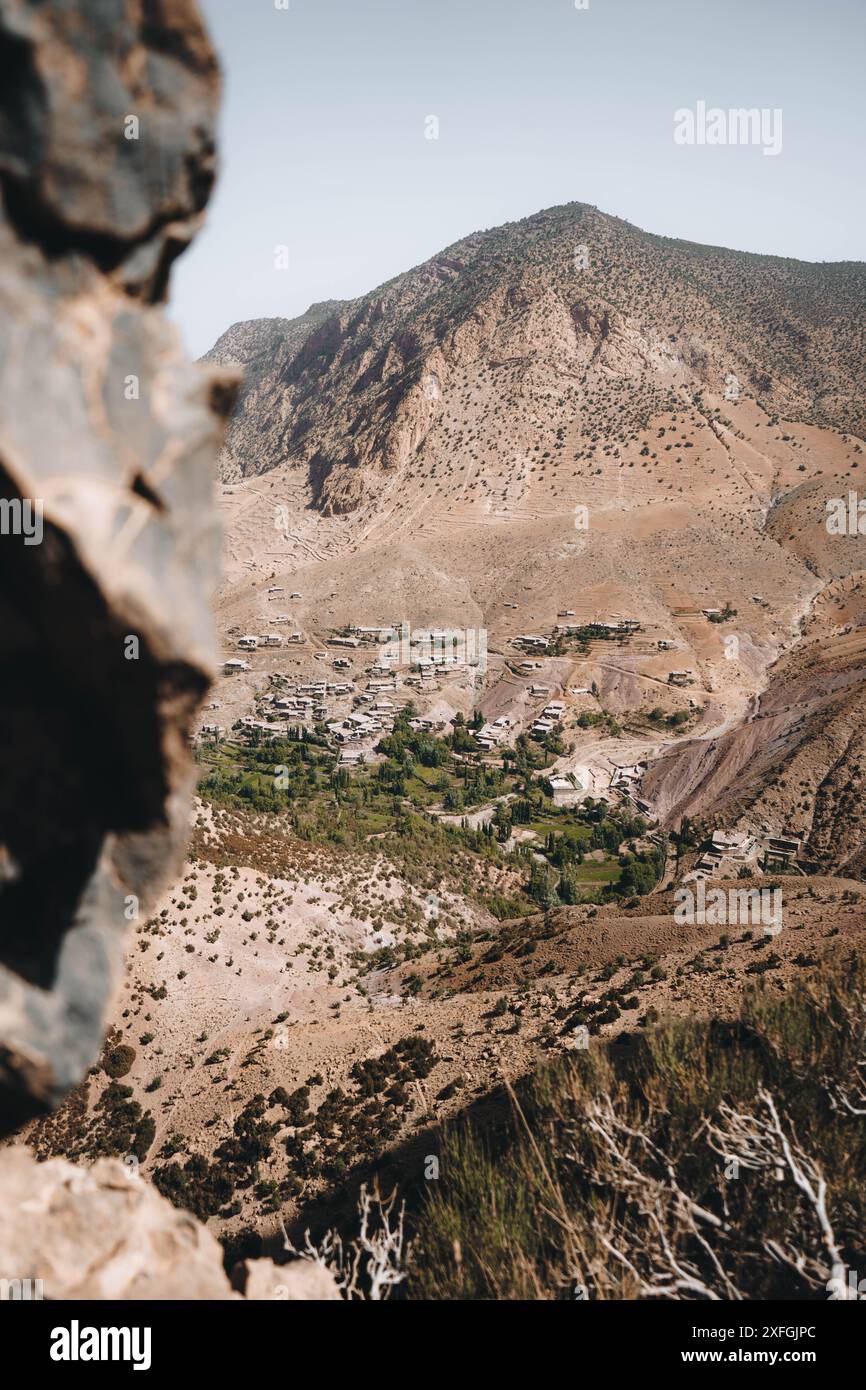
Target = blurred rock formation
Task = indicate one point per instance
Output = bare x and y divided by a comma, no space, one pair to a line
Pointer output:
109,550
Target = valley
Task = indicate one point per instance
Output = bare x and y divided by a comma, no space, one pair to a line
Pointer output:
530,615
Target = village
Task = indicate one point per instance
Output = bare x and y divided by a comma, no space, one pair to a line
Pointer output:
376,669
374,672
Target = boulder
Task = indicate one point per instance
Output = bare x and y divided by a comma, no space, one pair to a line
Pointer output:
296,1282
101,1233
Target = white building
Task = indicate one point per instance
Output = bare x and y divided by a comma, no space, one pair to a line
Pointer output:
489,735
734,844
543,726
570,788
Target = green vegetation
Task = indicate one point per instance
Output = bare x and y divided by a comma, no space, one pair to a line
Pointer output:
244,776
685,1164
117,1061
392,799
344,1129
725,616
592,829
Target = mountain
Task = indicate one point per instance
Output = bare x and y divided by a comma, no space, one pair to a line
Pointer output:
566,414
515,438
601,321
251,344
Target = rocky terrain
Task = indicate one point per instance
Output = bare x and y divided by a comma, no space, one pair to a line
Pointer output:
107,565
408,886
331,978
269,1053
547,319
495,439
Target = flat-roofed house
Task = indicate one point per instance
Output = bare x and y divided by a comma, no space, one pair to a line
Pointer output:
735,844
543,726
490,735
570,788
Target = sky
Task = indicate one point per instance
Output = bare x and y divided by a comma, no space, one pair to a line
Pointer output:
325,129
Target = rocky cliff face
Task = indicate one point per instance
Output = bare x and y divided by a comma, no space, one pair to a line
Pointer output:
108,546
252,343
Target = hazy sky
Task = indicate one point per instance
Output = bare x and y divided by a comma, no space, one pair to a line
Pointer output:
323,146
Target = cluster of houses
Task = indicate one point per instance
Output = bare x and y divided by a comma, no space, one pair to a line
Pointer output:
358,734
548,719
251,643
426,679
491,735
737,845
615,627
425,649
499,731
310,699
727,849
311,703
